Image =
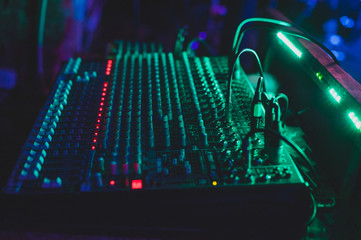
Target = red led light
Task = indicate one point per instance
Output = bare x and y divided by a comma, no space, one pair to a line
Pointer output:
102,99
93,147
105,84
137,184
101,104
97,127
103,94
95,134
94,140
100,109
104,89
112,182
109,67
99,115
98,121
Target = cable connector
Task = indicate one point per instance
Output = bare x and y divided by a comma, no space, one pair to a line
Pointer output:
273,145
257,110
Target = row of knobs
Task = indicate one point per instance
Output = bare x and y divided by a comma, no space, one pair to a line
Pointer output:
260,175
177,102
126,147
37,151
127,142
194,95
72,66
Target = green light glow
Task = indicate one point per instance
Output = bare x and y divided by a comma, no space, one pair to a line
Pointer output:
319,76
355,120
335,95
289,44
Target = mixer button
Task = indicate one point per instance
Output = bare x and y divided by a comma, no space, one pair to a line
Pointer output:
113,167
98,179
23,175
33,174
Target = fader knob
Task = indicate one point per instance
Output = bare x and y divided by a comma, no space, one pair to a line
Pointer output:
99,179
113,167
101,163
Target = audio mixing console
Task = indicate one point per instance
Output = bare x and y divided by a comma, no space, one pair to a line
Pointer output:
143,135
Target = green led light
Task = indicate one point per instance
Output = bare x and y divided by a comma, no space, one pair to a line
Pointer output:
335,95
355,120
289,44
319,76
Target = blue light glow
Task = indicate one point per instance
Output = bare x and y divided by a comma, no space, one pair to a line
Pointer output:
335,39
341,56
347,22
202,35
194,45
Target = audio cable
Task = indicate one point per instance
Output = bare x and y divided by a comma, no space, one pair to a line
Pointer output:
313,183
257,109
231,73
239,32
273,145
178,46
277,25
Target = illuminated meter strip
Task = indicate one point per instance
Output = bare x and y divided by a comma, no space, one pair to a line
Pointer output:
289,44
335,95
355,120
99,118
109,67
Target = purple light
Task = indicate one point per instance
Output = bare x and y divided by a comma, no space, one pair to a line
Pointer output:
194,45
220,10
202,35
